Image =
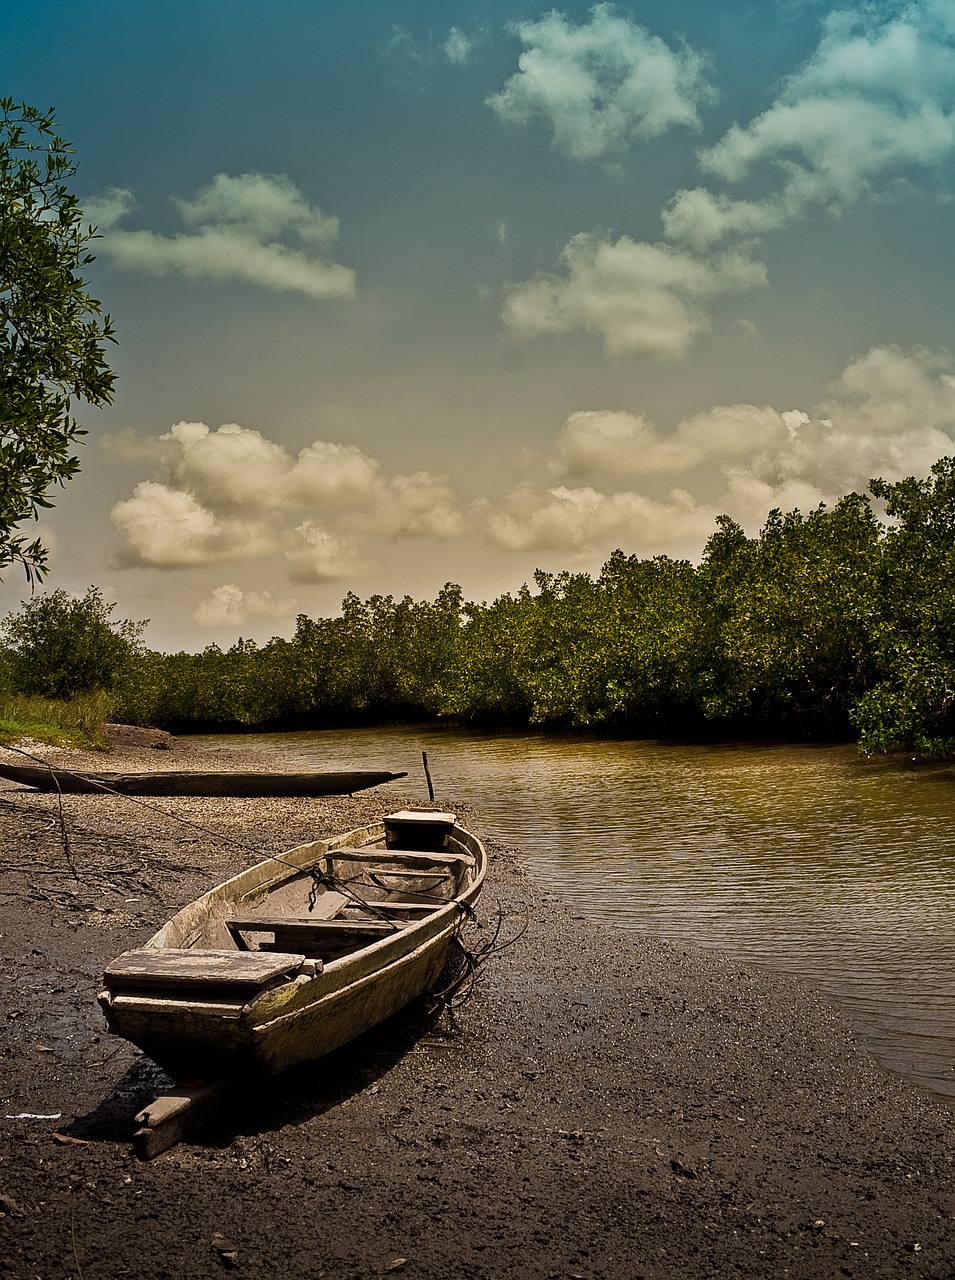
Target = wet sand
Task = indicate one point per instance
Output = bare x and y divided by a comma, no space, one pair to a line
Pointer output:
603,1106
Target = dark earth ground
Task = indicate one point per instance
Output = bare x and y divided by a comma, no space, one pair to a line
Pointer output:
605,1105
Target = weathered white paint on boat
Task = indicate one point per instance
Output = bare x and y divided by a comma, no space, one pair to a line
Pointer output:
313,1007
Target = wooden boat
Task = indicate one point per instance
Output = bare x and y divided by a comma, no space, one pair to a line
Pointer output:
182,782
301,953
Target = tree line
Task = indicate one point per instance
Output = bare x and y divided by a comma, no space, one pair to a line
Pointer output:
834,624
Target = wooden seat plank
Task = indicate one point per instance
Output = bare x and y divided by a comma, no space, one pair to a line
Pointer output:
390,905
421,817
304,926
175,966
402,857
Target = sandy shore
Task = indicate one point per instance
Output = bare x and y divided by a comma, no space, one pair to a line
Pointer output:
605,1105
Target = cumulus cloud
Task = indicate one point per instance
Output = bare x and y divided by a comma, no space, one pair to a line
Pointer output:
230,606
330,475
421,505
613,478
166,528
238,228
877,97
587,520
641,299
616,443
314,554
601,84
891,413
229,467
233,494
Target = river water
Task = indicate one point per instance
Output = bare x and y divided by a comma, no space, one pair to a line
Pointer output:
805,859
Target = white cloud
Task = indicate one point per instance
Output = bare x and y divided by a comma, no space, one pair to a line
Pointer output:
266,206
620,444
877,97
314,554
236,225
459,47
230,606
232,493
585,520
613,478
331,475
231,466
166,528
642,299
109,207
601,84
699,218
421,505
412,54
891,413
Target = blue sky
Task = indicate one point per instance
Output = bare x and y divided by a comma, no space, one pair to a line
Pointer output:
416,293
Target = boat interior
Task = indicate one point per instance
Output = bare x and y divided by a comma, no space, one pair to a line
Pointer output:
351,898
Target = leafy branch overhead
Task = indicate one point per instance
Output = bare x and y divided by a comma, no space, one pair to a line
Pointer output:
53,333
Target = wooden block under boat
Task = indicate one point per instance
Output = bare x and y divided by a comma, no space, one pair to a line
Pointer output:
188,967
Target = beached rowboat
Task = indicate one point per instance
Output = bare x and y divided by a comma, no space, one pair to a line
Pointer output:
301,953
183,782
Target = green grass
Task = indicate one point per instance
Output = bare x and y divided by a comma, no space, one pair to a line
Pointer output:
75,723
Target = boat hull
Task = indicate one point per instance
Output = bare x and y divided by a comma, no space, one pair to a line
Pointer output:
183,782
316,1007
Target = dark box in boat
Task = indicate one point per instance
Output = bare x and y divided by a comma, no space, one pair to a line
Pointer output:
418,829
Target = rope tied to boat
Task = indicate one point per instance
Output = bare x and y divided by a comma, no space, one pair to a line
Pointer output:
470,961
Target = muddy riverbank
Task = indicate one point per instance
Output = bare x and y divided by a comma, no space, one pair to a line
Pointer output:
604,1105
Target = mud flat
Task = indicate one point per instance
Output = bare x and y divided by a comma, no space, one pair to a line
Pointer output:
604,1105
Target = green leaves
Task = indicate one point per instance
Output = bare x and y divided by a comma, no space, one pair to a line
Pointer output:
52,331
789,618
60,646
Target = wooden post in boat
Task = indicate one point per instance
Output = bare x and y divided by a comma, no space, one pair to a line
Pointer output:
427,775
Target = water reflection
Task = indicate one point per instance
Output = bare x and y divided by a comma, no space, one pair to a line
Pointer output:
805,859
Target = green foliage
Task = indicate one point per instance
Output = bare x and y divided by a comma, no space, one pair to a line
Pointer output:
787,620
59,646
382,658
913,705
817,624
51,330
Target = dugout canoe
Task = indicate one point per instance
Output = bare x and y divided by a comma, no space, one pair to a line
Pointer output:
182,782
301,953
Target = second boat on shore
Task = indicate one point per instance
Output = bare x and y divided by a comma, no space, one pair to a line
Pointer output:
183,782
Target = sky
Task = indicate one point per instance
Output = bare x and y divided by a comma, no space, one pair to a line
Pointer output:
427,292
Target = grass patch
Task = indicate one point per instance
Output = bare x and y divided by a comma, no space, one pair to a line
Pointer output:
76,722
